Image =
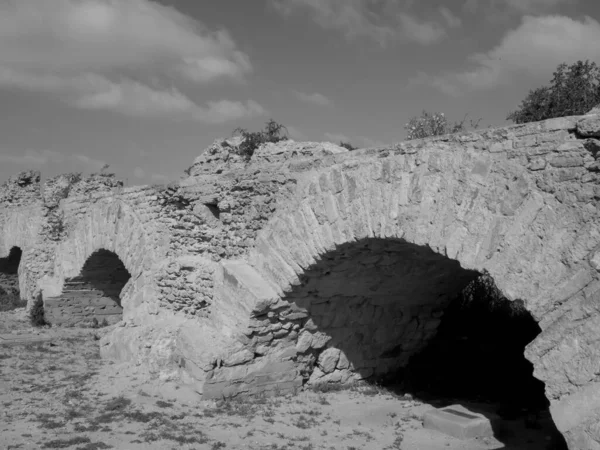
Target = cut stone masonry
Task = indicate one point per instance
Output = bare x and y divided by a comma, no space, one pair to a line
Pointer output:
312,264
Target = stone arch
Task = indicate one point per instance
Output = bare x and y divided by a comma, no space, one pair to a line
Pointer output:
20,228
479,209
110,226
94,296
497,222
10,266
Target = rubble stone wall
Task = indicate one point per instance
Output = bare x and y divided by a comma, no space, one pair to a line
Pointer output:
312,264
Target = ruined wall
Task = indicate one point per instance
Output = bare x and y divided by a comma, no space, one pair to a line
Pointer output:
313,264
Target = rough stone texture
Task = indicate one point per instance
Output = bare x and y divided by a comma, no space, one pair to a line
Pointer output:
595,110
311,264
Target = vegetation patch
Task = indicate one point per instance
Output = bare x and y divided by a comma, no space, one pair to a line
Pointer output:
273,132
36,314
574,90
436,124
66,443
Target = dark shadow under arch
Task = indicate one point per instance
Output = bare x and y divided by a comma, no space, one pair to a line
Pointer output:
10,296
93,296
364,310
377,301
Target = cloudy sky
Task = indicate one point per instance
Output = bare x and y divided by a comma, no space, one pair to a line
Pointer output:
146,85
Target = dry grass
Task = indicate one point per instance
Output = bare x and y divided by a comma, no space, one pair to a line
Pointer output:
60,394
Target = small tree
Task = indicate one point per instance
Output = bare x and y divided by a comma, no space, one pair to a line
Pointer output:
36,313
435,124
347,145
273,132
573,90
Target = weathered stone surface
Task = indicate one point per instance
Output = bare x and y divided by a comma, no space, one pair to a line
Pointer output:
595,110
328,359
313,264
589,126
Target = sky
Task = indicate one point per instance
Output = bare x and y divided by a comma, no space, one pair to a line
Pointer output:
146,85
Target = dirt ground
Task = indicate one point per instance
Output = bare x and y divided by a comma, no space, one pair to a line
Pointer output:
58,393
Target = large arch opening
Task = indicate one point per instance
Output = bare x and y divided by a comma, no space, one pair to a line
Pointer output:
10,296
93,297
371,310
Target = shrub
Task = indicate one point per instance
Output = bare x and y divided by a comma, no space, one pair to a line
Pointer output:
573,90
36,314
483,291
273,132
347,145
435,124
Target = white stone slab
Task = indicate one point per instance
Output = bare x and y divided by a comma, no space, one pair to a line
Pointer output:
457,421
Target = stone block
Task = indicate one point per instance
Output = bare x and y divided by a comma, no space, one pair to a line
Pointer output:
457,421
589,126
329,359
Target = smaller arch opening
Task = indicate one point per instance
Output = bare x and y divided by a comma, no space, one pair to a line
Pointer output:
10,295
92,298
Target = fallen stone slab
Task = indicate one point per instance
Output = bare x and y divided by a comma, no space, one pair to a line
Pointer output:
7,339
457,421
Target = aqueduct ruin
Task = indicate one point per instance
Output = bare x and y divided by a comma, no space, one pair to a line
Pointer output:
312,264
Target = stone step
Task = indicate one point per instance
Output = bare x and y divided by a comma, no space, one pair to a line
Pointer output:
90,292
53,315
57,302
8,339
457,421
93,286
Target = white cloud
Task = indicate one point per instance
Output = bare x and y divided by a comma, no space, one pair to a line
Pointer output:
419,31
536,5
33,158
128,97
86,52
315,98
534,49
205,69
96,35
383,21
516,6
451,20
224,110
348,16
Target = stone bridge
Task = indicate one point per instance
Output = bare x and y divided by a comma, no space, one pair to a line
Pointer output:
311,264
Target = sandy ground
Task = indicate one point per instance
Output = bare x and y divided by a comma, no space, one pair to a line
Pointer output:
58,393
